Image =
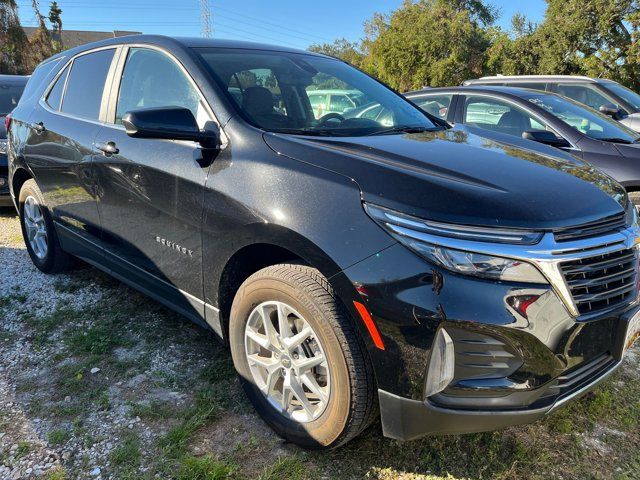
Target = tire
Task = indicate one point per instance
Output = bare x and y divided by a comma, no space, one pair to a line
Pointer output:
50,258
351,403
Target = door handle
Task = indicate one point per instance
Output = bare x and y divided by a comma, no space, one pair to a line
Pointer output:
38,127
108,148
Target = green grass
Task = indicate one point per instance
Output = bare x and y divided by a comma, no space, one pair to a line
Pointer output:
205,468
153,410
23,448
58,437
292,468
128,453
56,473
204,411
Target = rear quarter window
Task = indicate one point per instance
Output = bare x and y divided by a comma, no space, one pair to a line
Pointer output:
39,80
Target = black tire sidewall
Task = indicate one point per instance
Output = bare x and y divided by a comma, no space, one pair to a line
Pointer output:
326,429
30,189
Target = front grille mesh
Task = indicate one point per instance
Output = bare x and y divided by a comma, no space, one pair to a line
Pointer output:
602,282
593,229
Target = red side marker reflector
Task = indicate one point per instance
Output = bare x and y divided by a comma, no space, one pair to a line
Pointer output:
370,324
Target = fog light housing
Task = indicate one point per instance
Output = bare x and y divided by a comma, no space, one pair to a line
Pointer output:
3,181
441,365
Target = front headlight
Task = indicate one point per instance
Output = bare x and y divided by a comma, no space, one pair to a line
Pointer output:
410,231
3,146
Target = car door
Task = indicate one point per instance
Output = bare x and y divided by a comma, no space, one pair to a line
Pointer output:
498,115
151,190
59,148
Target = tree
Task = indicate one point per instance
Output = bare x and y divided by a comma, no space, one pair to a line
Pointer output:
595,38
341,48
13,40
55,18
428,42
515,52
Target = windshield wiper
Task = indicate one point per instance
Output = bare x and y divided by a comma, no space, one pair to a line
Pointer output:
617,140
404,129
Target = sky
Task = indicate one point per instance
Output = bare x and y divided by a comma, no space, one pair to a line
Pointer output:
294,23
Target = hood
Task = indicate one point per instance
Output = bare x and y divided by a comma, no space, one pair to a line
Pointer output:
628,150
458,177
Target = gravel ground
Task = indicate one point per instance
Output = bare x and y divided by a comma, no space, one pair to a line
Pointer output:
98,382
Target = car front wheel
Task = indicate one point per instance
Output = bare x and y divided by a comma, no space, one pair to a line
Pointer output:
299,358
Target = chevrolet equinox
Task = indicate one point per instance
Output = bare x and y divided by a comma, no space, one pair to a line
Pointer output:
444,281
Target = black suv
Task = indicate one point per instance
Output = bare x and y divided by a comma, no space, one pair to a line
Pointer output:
11,87
456,283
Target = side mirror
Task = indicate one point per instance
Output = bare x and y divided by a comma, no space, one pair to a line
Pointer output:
169,123
546,137
610,110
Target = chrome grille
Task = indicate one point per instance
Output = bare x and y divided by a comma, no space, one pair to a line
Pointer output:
602,282
592,229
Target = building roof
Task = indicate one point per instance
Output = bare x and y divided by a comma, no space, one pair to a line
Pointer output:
75,38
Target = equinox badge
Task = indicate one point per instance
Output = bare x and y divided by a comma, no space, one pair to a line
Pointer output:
174,246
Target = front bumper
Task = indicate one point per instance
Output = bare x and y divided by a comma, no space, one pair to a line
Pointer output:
510,369
406,419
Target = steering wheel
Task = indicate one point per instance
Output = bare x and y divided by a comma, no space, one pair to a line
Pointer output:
329,116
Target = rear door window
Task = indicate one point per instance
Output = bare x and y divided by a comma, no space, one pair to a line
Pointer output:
85,87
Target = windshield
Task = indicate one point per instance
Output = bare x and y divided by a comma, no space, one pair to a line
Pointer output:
629,96
583,119
308,94
9,96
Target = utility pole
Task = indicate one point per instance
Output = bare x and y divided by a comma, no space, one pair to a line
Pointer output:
205,19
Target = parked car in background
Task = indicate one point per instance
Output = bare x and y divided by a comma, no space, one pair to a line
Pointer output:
546,118
325,102
448,281
606,96
11,87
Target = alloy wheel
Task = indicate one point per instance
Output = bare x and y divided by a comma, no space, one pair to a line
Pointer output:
35,227
287,361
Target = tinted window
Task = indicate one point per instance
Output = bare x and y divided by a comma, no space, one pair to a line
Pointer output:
152,79
436,105
86,84
55,95
499,116
585,94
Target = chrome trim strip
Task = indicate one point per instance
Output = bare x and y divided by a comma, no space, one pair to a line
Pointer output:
547,255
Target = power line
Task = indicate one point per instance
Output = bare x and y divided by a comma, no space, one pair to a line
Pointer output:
205,19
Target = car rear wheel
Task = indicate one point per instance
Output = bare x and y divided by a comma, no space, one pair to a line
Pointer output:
38,231
299,358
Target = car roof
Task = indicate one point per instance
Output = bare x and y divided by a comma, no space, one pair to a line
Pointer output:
527,78
184,42
504,91
14,79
